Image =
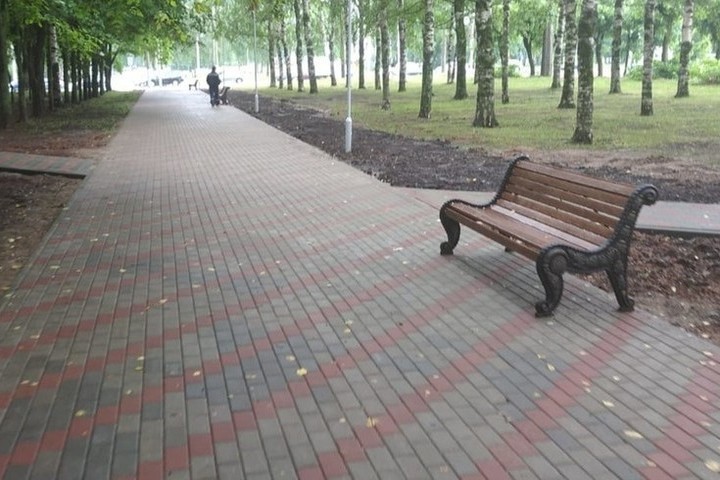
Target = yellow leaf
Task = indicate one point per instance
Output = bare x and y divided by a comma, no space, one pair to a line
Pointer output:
301,372
713,466
632,434
80,413
371,422
197,373
551,367
290,358
608,403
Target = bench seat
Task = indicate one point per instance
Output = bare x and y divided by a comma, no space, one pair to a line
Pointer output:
562,220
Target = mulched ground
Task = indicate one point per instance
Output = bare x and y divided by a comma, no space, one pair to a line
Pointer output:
677,278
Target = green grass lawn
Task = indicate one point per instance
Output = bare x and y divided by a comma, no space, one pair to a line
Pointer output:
532,119
101,114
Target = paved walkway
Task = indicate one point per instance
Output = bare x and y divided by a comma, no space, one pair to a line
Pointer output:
232,306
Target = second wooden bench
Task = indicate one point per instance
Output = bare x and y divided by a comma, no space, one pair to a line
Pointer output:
562,220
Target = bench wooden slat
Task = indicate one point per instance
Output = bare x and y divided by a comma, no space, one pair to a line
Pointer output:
524,232
593,222
618,188
583,196
558,223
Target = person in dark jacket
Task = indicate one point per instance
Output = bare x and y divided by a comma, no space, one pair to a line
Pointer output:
213,81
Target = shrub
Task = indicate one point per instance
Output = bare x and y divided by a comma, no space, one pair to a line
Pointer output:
667,70
705,72
513,71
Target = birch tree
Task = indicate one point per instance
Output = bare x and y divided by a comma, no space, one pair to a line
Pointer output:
428,52
568,89
646,102
558,53
683,88
586,39
402,49
616,44
485,101
461,92
298,45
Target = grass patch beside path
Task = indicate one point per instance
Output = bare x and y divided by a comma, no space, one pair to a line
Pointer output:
532,119
101,114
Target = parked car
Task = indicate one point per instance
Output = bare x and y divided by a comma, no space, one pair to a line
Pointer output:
164,79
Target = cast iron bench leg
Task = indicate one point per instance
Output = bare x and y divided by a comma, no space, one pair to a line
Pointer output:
551,264
452,228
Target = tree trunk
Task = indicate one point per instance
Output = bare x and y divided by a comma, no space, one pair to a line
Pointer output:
599,39
298,45
402,49
280,76
5,108
461,92
35,65
385,49
20,61
568,89
504,50
485,101
361,45
646,102
54,91
378,60
450,55
309,47
616,44
271,54
683,88
586,35
286,54
428,53
331,48
558,54
527,43
74,77
546,58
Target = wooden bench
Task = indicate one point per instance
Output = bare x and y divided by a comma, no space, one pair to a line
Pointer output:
223,95
562,220
193,85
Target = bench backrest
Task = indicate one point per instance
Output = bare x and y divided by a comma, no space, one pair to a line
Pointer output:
573,203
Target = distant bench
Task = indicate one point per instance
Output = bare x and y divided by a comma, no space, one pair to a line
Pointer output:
564,221
193,85
223,95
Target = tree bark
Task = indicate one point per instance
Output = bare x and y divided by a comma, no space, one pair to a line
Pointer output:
385,57
461,92
504,50
568,89
546,58
683,88
450,55
271,54
558,54
485,101
527,43
298,46
646,102
616,44
428,53
331,53
35,66
598,41
5,109
361,45
286,54
586,38
402,49
309,47
378,60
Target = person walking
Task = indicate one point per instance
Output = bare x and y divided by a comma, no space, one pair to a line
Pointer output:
213,81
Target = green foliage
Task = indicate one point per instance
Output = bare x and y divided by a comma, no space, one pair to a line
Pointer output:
513,71
705,72
667,70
